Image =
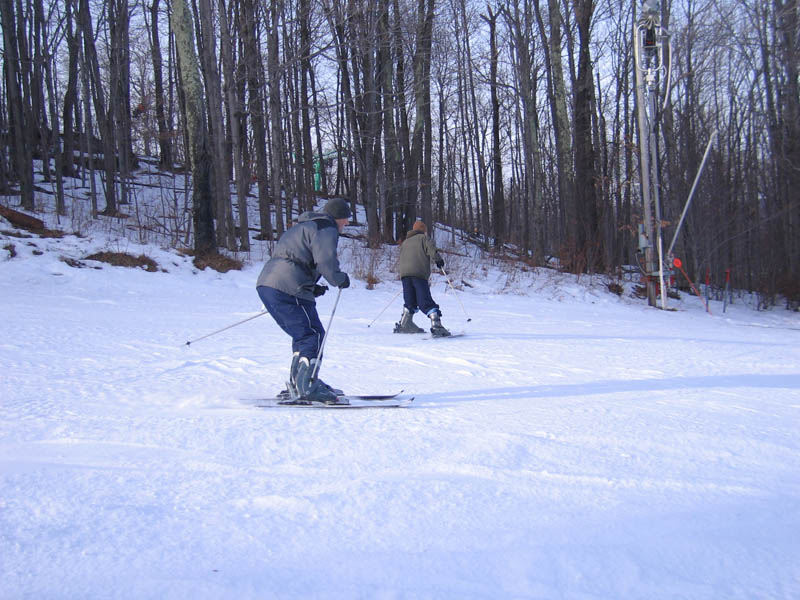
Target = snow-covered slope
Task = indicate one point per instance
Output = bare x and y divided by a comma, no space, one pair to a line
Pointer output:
572,444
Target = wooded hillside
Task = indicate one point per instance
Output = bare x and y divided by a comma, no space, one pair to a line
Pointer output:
515,121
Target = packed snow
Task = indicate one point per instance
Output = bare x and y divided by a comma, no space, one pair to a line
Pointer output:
572,444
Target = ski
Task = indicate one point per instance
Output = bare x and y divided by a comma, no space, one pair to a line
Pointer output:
344,401
444,337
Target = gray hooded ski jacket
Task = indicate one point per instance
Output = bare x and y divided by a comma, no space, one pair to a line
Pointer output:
416,253
304,252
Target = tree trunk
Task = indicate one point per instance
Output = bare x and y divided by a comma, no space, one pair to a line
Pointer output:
556,90
249,27
73,39
205,242
476,138
226,235
55,139
238,136
19,109
498,201
164,133
520,24
119,92
274,85
393,171
788,156
39,109
422,86
104,119
307,189
588,241
405,209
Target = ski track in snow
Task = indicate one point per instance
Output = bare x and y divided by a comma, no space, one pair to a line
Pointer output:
571,445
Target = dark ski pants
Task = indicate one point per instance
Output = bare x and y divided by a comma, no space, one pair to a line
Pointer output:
417,295
297,317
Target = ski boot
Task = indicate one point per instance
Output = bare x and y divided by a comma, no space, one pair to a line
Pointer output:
406,324
309,388
437,329
291,387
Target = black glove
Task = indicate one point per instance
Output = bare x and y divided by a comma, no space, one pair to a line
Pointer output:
345,283
440,263
319,290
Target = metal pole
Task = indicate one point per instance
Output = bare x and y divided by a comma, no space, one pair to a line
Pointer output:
228,327
325,337
656,198
691,193
646,240
385,307
649,39
455,294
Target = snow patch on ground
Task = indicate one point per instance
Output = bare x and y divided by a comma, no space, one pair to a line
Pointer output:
573,444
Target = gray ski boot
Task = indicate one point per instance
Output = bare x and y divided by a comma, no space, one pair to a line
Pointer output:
406,324
437,329
309,388
286,394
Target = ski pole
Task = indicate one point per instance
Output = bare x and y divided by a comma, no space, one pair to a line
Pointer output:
455,294
226,328
325,337
385,307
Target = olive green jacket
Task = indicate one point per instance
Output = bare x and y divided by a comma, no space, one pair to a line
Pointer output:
416,254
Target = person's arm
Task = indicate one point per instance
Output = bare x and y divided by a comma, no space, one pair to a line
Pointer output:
433,252
323,249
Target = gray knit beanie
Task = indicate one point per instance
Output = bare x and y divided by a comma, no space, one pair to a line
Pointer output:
338,208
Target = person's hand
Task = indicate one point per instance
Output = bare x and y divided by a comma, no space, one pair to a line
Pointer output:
345,283
440,263
319,290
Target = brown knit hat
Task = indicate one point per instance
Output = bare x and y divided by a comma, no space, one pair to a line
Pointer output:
420,226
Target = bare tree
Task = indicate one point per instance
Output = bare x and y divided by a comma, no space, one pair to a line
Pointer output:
557,95
520,24
276,181
213,93
18,102
105,119
164,133
588,242
238,135
205,242
498,200
249,23
71,92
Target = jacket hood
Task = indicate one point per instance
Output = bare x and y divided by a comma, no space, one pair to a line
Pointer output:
414,232
314,216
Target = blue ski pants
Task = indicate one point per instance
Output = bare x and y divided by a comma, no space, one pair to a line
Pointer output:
297,317
417,295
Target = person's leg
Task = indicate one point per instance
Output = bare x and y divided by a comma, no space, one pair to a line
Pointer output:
430,308
406,324
410,294
297,317
422,291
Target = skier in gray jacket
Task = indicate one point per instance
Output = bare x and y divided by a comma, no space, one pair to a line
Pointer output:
414,265
288,287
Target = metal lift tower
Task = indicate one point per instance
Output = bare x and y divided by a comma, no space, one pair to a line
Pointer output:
649,42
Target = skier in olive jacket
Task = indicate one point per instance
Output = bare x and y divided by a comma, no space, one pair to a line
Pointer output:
288,287
414,265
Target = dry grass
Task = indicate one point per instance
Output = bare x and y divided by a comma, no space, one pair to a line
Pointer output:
218,262
122,259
